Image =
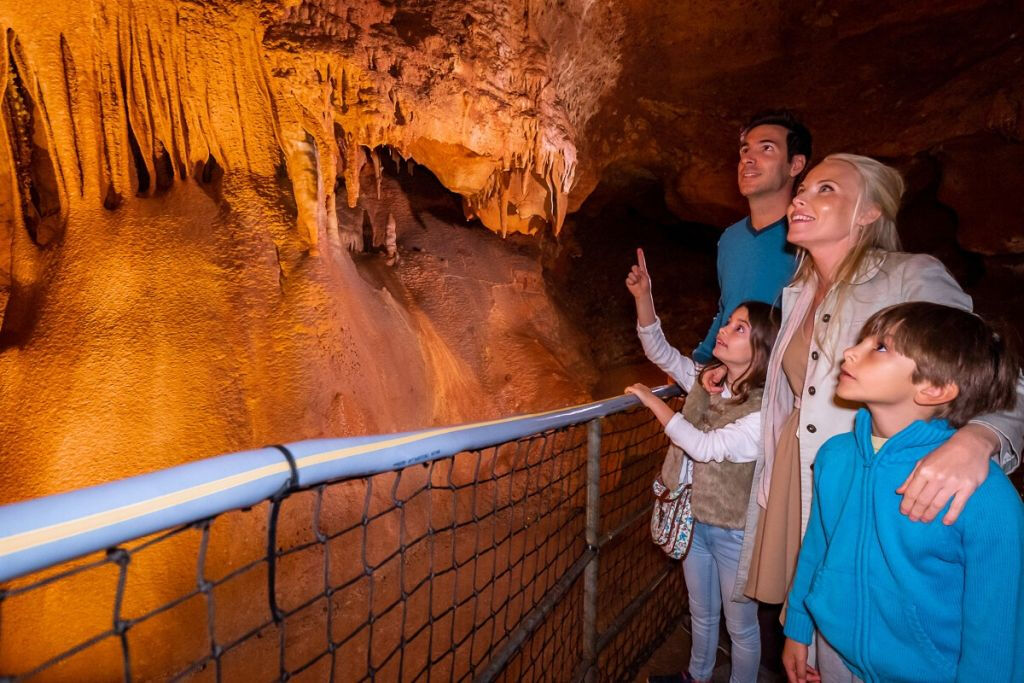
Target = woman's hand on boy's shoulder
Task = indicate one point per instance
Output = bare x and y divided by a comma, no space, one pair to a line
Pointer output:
953,470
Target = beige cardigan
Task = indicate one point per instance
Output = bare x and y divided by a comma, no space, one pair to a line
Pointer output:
885,278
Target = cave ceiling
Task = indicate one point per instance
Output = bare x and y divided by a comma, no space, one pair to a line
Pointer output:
516,106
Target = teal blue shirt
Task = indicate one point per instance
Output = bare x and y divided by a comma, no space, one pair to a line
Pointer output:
753,265
902,600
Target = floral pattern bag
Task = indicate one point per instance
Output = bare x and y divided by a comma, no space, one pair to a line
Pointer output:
672,519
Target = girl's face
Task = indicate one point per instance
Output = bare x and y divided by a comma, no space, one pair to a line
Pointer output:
822,213
732,345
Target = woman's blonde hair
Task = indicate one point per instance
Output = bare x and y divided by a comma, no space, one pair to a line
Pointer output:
882,188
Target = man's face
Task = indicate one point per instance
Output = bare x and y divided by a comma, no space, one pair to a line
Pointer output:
764,167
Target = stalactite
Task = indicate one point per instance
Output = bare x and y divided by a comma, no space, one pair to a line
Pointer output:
42,207
10,212
375,159
71,94
503,205
152,89
354,160
396,157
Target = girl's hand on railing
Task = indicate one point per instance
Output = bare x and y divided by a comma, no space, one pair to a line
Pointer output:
661,410
642,392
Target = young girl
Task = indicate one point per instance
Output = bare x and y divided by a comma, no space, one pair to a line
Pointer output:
721,435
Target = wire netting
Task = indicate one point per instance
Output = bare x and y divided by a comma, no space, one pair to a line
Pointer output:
642,592
464,566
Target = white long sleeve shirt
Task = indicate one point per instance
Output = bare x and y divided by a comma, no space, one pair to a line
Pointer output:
735,442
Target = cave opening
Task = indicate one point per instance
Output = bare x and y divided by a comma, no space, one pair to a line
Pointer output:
397,189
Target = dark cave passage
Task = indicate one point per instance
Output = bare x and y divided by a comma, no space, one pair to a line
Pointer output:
595,251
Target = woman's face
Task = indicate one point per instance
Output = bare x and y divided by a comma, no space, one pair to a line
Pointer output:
822,212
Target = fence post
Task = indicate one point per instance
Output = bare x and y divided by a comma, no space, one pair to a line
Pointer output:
593,542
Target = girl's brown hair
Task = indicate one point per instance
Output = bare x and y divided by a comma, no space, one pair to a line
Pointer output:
764,327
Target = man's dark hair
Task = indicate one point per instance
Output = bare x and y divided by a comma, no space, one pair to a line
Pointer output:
798,138
951,346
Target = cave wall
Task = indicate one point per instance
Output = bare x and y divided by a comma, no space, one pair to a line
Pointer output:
936,89
183,185
940,79
176,273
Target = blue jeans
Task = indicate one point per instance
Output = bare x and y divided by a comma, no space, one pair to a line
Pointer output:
710,570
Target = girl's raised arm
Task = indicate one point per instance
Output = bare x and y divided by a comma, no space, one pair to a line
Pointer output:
638,282
656,347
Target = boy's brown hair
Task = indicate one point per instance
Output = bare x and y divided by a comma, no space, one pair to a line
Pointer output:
951,346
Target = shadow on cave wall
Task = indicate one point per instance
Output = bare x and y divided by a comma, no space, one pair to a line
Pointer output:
929,226
587,272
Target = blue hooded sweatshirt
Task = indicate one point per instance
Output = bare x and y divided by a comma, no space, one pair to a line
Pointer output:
902,600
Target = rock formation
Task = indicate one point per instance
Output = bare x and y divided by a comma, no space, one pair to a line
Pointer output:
176,279
195,199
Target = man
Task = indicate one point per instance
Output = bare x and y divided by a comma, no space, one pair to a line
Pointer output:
754,260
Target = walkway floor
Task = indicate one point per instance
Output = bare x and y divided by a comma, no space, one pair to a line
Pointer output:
674,654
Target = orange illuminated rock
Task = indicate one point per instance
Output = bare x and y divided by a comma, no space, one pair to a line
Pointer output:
195,199
175,280
176,266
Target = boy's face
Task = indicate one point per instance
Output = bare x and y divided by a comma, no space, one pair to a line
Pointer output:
876,375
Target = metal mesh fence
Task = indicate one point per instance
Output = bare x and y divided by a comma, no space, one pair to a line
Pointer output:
467,567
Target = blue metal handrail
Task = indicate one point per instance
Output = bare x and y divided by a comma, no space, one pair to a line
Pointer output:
43,532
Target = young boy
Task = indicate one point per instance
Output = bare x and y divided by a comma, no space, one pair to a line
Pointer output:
892,599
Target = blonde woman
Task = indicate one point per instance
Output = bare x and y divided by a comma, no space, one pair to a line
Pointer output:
843,220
